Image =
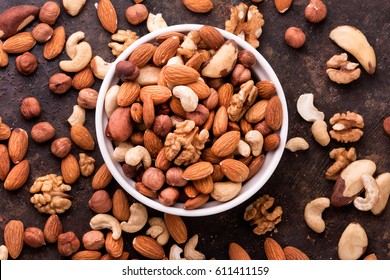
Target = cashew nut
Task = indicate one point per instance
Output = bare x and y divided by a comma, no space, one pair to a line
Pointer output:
319,129
189,249
120,151
255,140
313,213
72,43
163,237
80,60
3,253
383,182
243,149
78,116
188,98
154,231
155,22
99,67
73,7
372,194
174,253
137,154
137,220
225,191
175,60
106,221
297,144
110,100
306,108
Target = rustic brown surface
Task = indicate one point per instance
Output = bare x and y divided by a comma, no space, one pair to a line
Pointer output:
299,177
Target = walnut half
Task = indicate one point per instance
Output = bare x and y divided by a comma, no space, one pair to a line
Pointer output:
342,71
346,127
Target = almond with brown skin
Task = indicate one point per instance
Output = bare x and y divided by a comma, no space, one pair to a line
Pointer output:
152,143
293,253
55,45
211,37
148,111
114,247
204,185
256,112
13,237
128,93
87,255
17,145
120,205
5,131
201,89
33,237
226,144
273,250
234,170
143,54
166,50
282,5
102,178
107,15
148,247
255,165
271,142
274,113
70,169
83,79
198,170
161,38
198,6
17,176
225,93
52,229
158,93
220,123
19,43
5,164
176,227
177,74
196,202
236,252
82,137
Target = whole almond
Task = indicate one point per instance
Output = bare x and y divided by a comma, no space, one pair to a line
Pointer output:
271,142
255,165
293,253
226,144
17,176
114,247
236,252
54,46
371,257
148,111
19,43
201,89
87,255
161,38
124,256
70,169
211,37
143,54
42,132
225,93
158,93
177,74
266,89
161,161
5,131
148,247
128,93
282,5
256,112
152,143
83,79
82,137
102,178
176,227
204,185
107,15
273,250
166,50
198,170
196,202
13,237
52,229
220,123
274,113
17,145
5,164
33,237
234,170
120,205
198,6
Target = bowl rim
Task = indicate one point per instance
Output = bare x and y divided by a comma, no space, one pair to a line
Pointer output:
256,183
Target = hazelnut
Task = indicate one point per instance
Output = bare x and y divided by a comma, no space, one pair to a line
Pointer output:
33,237
263,128
246,58
42,32
132,171
60,83
61,147
199,116
240,75
26,63
100,202
316,11
153,178
386,125
212,101
93,240
30,108
162,125
174,177
42,132
126,71
168,196
49,12
294,37
68,243
136,14
87,98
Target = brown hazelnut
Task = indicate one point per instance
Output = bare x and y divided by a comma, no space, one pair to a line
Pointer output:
132,171
295,37
199,116
68,243
316,11
61,147
126,71
215,83
174,177
240,75
87,98
211,102
42,32
26,63
168,196
386,125
100,202
263,128
153,178
30,108
162,125
246,58
33,237
60,83
136,14
42,132
93,240
49,12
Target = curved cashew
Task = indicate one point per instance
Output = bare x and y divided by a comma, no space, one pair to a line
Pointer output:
137,220
110,100
383,181
3,253
243,149
189,249
99,67
78,116
306,108
297,144
72,43
319,129
120,151
137,154
81,59
372,194
188,98
155,22
255,140
163,237
103,221
225,191
174,253
313,213
154,231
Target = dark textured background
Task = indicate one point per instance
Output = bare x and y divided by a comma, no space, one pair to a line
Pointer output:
299,177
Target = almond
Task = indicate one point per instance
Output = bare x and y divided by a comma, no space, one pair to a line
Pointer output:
52,229
161,161
273,250
274,113
107,15
371,257
142,54
196,61
266,89
124,256
293,253
148,111
196,202
234,170
226,144
256,112
87,255
5,164
161,38
81,137
120,205
114,247
128,93
148,247
220,123
211,37
271,142
198,6
225,93
208,155
236,252
5,131
83,79
198,170
102,178
204,185
158,93
17,176
70,169
176,107
201,89
54,46
255,165
19,43
152,143
282,5
176,227
166,50
17,145
13,237
177,74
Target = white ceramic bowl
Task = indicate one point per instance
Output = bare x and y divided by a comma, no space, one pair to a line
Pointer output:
262,70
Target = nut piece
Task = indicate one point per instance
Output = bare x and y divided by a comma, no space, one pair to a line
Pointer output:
13,238
316,11
282,5
73,7
155,22
68,243
297,144
17,145
189,249
313,213
87,98
273,250
341,71
16,18
99,67
106,221
82,137
225,191
153,178
100,202
52,229
3,253
353,242
30,108
320,132
26,63
17,176
126,71
107,15
346,127
199,6
342,158
136,14
294,37
372,194
78,116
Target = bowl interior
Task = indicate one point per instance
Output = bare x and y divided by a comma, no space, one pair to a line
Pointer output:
262,70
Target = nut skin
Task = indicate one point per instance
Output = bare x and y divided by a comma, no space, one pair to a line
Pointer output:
68,243
240,75
87,98
33,237
199,115
60,83
162,125
316,11
30,108
49,12
294,37
126,71
246,58
168,196
26,63
93,240
136,14
61,147
100,202
42,132
153,178
42,32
